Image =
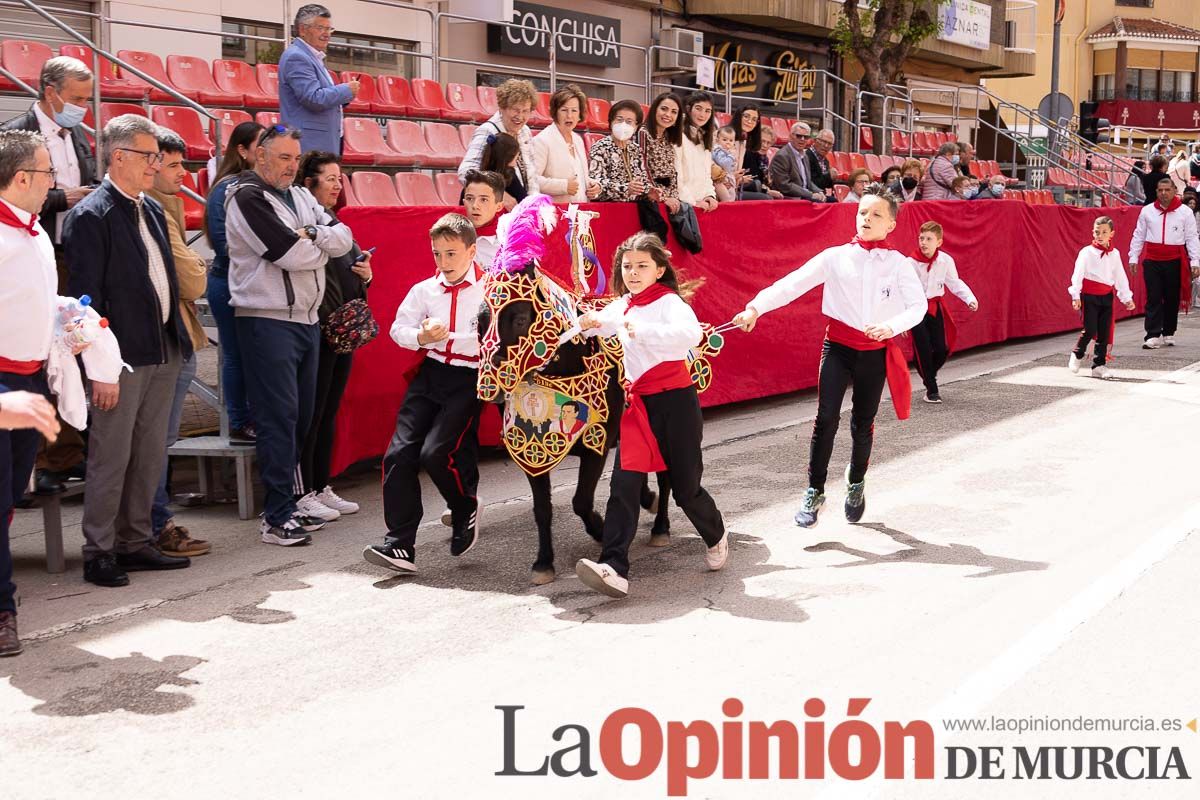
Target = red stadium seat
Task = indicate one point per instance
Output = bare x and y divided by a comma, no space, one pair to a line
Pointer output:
782,128
448,186
843,163
267,118
152,65
394,91
348,191
940,138
268,78
187,124
487,99
230,119
540,118
923,143
857,161
110,110
360,104
444,143
951,136
193,212
645,111
407,139
24,60
417,189
238,76
900,143
465,133
834,172
590,139
362,143
977,170
428,94
874,166
368,100
193,75
374,189
866,138
111,87
202,180
840,190
723,118
597,114
466,99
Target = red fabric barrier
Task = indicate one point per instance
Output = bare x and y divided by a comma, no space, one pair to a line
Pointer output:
1016,257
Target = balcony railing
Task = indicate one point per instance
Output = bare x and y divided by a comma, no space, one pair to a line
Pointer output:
1152,95
1020,17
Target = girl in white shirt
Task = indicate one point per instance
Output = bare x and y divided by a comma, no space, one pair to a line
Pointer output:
662,428
560,165
693,156
871,295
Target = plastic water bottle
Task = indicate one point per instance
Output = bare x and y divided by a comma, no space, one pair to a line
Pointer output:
76,326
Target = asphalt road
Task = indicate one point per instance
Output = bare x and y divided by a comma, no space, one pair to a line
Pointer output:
1027,554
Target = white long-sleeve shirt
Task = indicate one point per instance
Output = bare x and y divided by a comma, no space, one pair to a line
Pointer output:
694,165
664,330
941,275
862,287
28,290
456,306
554,166
1172,227
1095,265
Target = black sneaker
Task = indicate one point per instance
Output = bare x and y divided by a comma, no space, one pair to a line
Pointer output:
856,499
286,535
806,517
103,570
397,559
933,397
307,524
244,435
465,531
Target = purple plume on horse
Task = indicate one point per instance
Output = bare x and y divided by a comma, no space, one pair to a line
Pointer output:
522,233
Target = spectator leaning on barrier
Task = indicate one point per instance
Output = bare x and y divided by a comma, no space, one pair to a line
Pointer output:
693,156
560,167
190,271
615,162
789,168
309,100
936,185
859,180
664,132
279,240
820,174
515,100
502,155
120,254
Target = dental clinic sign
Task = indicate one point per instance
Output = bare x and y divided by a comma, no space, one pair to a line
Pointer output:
587,39
966,22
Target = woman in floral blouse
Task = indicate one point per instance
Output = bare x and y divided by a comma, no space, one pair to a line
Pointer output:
664,126
616,160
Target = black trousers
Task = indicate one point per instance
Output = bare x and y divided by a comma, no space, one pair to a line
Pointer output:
678,428
1097,322
437,429
1162,297
18,449
929,345
863,371
333,371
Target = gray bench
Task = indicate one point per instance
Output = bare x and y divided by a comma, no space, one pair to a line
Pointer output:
206,448
51,505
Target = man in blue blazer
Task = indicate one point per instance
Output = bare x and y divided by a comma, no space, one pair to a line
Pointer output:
309,100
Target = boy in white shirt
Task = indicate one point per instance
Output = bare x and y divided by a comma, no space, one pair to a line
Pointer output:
933,337
483,196
1098,273
438,424
871,295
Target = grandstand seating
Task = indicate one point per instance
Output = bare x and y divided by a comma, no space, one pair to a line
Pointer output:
238,76
428,94
368,96
151,65
449,187
187,124
374,189
363,144
111,87
23,59
193,76
408,139
268,78
230,119
464,98
417,189
445,144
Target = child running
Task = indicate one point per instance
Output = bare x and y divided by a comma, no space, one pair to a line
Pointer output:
1098,273
662,428
933,337
871,295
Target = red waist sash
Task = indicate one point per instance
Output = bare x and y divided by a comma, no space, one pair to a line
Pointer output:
20,367
639,448
1099,289
898,379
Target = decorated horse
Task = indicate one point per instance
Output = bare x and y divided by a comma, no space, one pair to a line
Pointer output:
562,393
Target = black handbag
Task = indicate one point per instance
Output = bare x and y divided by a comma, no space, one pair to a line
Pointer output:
687,228
350,326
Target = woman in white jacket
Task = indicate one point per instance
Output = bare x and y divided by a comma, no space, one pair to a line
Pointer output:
693,156
560,165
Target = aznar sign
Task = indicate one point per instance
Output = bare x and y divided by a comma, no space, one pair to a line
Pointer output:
966,22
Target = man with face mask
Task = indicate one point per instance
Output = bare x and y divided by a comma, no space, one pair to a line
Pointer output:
993,190
64,91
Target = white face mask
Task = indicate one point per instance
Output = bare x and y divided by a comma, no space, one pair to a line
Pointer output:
70,116
622,131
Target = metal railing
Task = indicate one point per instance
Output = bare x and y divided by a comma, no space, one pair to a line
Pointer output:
721,73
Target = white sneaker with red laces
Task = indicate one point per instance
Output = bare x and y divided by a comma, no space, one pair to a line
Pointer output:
601,578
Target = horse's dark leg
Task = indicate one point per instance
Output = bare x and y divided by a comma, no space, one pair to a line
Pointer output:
584,502
543,515
660,532
649,500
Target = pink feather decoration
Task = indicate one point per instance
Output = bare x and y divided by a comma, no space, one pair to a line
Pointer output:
523,232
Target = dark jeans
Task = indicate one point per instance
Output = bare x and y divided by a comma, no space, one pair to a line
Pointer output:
159,514
281,379
844,367
233,384
1162,297
929,346
333,371
18,449
1097,321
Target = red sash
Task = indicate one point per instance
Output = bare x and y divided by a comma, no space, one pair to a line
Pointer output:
936,307
1160,251
639,448
20,367
1100,290
898,379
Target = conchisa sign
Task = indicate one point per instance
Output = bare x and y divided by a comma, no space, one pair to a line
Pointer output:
599,48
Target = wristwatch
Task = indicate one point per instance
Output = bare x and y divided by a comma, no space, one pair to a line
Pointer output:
311,231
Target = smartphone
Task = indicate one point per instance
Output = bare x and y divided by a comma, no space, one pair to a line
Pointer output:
363,255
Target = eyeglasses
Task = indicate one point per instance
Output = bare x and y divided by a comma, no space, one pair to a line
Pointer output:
321,28
153,157
52,172
271,132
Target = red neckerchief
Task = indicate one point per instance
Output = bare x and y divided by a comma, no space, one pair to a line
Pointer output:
490,228
463,283
917,255
879,245
1103,250
11,219
1176,203
648,296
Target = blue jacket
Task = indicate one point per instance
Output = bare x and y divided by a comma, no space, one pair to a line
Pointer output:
309,100
108,261
216,226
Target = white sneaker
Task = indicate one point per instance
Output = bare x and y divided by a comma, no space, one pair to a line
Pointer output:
1074,362
1169,341
310,506
1100,372
1153,343
286,535
329,498
602,578
716,556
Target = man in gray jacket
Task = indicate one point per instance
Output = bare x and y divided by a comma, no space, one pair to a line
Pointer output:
279,240
790,171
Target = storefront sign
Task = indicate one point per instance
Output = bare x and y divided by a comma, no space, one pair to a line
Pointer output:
966,22
766,72
599,48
